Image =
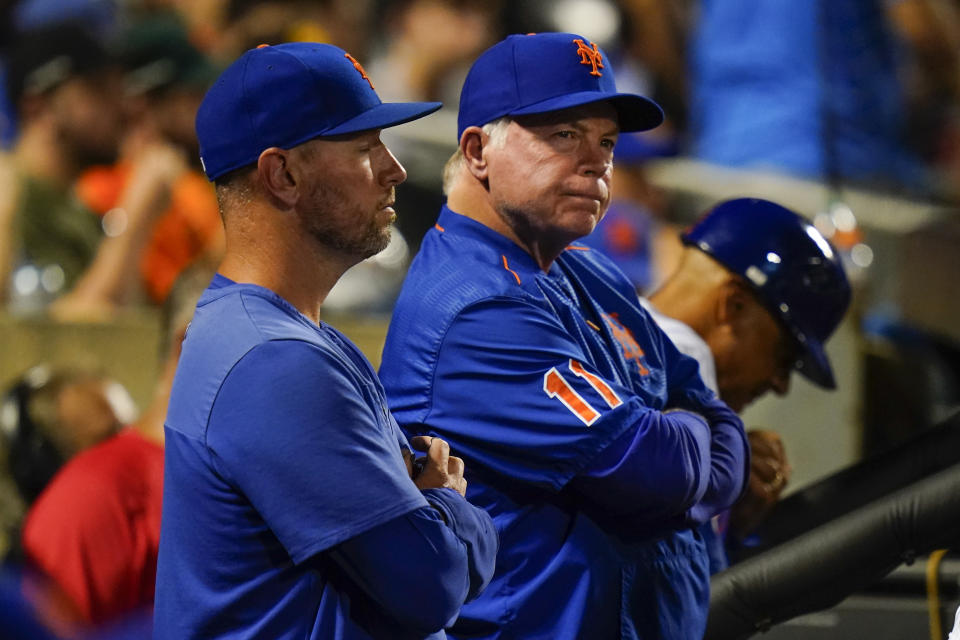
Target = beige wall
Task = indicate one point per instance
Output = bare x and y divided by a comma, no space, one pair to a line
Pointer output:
127,348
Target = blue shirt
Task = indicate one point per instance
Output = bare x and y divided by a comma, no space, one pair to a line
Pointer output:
551,386
810,88
288,511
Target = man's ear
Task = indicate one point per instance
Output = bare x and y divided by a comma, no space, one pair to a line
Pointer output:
472,143
279,181
731,303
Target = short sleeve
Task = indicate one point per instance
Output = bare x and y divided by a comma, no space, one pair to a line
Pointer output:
306,437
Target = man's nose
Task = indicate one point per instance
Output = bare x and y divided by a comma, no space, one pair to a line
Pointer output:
392,172
596,160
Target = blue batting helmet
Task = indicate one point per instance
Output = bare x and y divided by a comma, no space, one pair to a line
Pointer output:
795,271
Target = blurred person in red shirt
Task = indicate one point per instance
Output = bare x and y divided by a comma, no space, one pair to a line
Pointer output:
94,529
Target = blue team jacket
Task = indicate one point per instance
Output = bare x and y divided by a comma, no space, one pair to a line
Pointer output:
531,376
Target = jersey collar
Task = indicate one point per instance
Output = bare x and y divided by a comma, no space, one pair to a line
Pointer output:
518,260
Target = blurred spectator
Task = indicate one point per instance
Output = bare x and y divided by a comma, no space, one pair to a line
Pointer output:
655,35
7,114
602,21
422,53
94,530
204,19
100,17
165,80
67,88
245,24
50,415
814,88
428,45
46,416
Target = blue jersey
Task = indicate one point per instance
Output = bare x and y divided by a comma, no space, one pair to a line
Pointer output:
283,467
545,382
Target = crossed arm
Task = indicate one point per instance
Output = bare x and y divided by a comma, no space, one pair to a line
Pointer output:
329,477
421,567
654,456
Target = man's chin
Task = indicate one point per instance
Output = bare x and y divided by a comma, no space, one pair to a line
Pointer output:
581,222
738,405
586,228
381,243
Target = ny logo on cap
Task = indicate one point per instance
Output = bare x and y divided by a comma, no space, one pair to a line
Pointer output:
590,56
359,67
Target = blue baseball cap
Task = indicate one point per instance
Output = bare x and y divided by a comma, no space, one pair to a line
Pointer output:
284,95
795,272
542,72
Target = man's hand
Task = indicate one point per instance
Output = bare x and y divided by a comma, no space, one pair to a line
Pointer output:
769,461
438,468
769,475
156,169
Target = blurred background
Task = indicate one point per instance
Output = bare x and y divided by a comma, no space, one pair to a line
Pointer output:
847,111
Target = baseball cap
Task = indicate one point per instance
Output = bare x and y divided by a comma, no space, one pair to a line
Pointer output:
157,54
794,270
284,95
542,72
42,59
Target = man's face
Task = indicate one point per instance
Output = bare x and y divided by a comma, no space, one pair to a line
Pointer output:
550,179
757,357
85,415
88,115
348,204
175,112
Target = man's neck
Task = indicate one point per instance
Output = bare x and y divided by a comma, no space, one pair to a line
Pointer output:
473,201
285,261
681,303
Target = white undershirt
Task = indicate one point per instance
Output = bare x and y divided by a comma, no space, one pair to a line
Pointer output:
688,342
